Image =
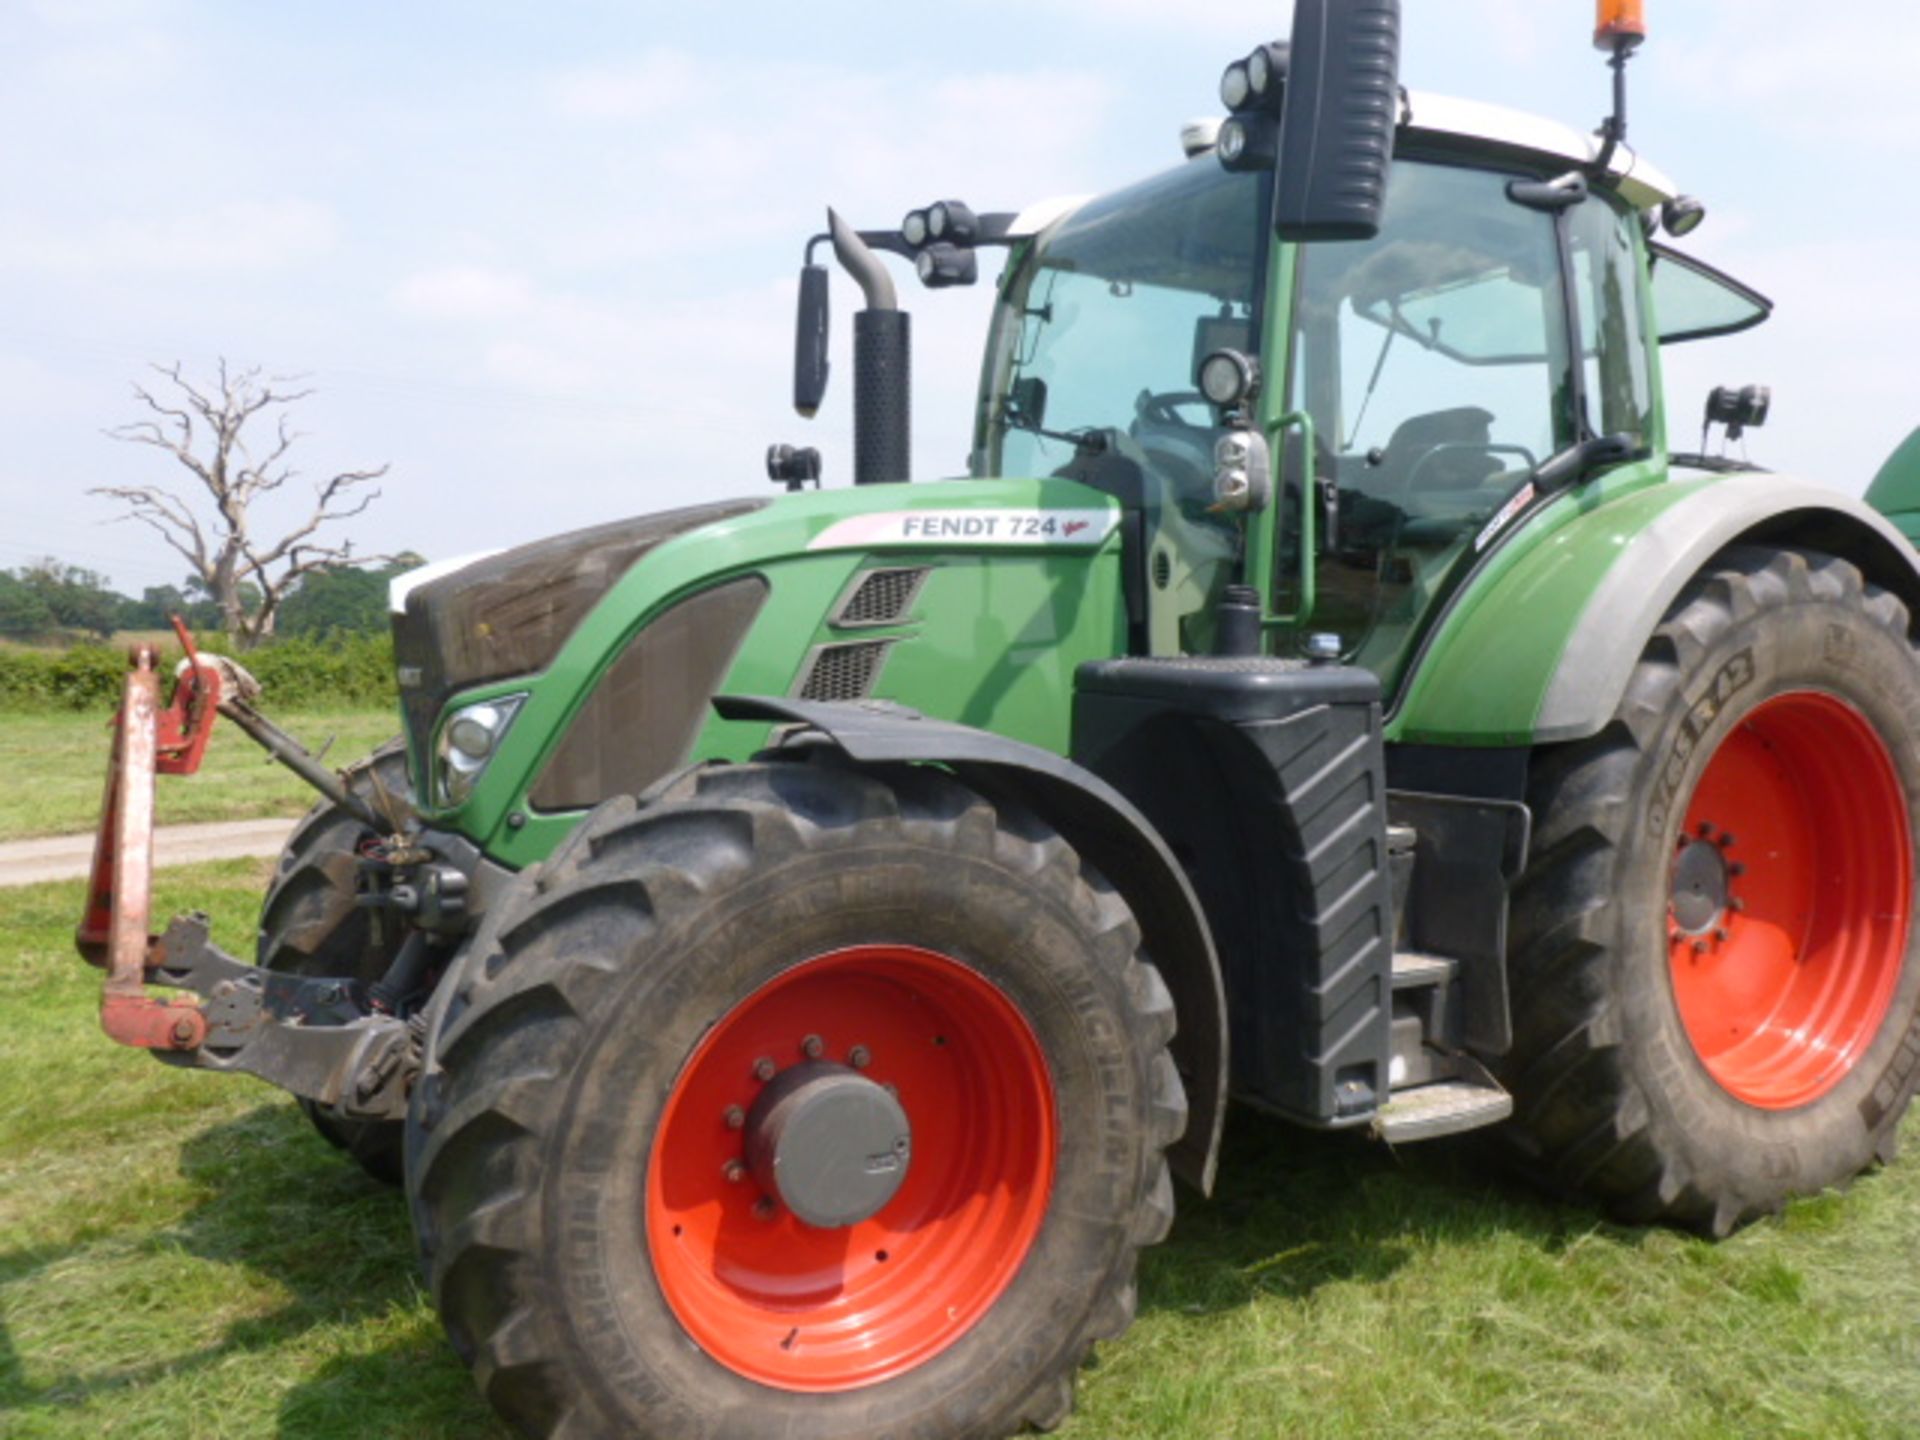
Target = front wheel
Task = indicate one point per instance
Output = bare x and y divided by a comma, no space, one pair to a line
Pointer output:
1716,997
801,1101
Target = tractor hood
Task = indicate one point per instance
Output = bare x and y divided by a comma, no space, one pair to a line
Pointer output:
509,613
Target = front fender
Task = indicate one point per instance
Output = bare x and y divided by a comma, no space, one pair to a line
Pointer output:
1100,823
1540,648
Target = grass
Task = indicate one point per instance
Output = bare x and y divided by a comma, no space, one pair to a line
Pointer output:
180,1255
56,767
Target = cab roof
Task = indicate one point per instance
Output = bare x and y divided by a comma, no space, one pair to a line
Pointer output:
1448,118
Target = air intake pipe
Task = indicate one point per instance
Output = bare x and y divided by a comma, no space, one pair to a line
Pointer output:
882,364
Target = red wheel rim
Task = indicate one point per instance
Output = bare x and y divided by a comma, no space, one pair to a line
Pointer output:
801,1308
1792,888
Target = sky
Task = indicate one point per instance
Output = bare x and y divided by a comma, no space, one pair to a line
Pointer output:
539,259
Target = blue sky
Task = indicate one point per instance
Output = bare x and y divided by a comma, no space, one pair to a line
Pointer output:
540,258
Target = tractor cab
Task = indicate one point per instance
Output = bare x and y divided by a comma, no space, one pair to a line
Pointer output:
1494,341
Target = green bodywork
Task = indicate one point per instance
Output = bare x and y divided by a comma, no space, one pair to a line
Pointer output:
992,638
1895,491
996,632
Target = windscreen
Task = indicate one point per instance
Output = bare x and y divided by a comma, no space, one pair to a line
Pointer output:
1099,332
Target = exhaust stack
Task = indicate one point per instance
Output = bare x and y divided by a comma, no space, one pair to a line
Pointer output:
882,364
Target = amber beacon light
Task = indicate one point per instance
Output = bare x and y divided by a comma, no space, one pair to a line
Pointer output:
1622,24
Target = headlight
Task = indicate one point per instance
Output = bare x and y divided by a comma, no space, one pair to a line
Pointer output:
467,742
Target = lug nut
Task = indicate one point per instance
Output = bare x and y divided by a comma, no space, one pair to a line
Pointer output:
1736,868
859,1057
1706,829
763,1208
1737,904
1726,839
736,1118
1699,947
734,1171
763,1069
812,1047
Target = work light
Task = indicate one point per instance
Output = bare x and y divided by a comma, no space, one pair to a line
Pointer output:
951,221
1236,86
914,229
940,265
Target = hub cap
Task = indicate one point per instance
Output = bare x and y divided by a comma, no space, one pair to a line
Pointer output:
1790,895
850,1169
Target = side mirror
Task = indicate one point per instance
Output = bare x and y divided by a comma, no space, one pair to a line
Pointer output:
1027,398
810,341
1341,107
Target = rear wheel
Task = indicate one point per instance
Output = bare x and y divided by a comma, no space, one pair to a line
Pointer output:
1715,991
310,925
801,1102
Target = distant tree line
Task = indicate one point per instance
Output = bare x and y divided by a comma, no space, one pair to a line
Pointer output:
52,602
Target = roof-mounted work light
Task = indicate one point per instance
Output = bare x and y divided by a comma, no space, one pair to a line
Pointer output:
914,229
952,222
1266,73
1236,86
940,265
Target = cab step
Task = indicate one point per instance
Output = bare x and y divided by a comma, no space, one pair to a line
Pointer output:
1413,969
1445,1107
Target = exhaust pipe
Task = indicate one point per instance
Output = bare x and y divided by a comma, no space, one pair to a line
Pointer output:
882,364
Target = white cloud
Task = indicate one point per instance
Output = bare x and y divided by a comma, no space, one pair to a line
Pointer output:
464,292
233,235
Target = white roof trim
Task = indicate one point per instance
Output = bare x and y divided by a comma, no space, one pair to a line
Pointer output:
1642,183
402,586
1042,213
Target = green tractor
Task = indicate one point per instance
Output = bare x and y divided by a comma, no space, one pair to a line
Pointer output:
800,939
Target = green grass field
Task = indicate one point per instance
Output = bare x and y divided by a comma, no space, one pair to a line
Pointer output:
181,1256
58,765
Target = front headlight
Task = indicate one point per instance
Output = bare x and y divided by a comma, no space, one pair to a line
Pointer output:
467,742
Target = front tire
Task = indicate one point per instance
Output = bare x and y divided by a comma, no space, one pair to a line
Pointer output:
1716,997
605,1238
310,925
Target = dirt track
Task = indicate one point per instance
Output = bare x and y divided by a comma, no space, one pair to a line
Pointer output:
66,857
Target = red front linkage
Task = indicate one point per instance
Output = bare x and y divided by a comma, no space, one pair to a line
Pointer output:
147,740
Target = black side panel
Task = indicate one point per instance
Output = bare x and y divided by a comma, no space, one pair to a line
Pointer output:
1266,779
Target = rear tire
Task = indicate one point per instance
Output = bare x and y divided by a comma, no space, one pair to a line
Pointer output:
569,1139
1716,998
310,925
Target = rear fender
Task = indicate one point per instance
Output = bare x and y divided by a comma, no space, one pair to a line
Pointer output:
1597,585
1106,830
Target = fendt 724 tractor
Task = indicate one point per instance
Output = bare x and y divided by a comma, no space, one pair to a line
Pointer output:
798,939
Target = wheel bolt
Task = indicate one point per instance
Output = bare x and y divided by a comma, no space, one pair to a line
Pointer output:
736,1118
1737,904
763,1069
1699,947
859,1057
734,1171
1736,868
763,1208
812,1047
1706,829
1726,839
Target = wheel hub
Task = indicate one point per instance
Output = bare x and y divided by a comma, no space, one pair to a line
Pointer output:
1700,887
830,1143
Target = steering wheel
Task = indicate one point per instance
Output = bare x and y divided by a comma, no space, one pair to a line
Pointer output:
1164,409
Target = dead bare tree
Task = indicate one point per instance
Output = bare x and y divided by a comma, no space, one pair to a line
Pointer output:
205,430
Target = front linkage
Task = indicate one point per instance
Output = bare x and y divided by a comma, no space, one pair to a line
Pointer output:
336,1042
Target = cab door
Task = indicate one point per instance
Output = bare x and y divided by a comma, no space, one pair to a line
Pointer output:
1430,372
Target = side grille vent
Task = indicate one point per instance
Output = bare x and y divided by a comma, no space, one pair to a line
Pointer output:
844,672
879,597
